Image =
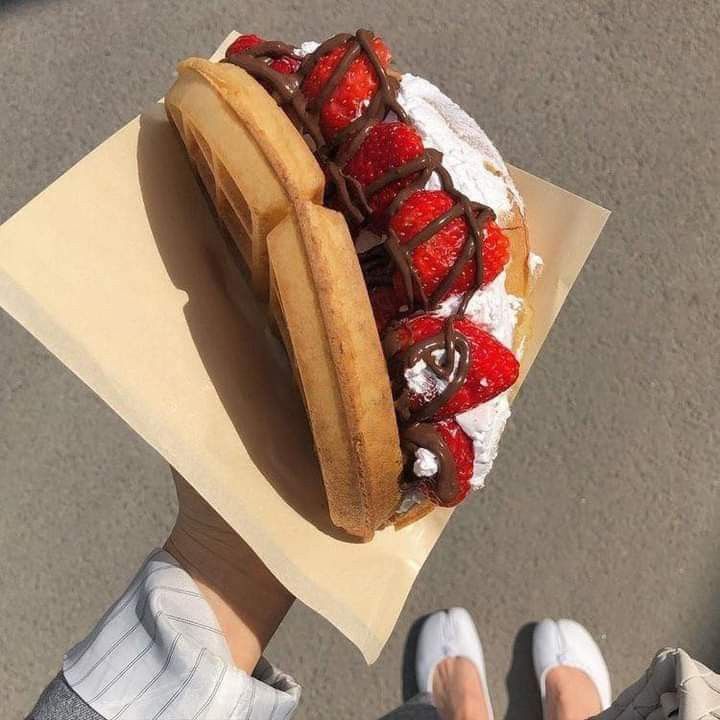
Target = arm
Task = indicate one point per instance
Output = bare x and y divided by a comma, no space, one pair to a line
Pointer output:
248,602
185,637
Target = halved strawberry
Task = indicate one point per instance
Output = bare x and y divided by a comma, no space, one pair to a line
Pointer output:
285,64
353,92
492,368
243,42
388,145
434,259
461,448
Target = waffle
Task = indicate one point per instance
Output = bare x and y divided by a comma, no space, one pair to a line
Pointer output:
252,161
267,190
320,302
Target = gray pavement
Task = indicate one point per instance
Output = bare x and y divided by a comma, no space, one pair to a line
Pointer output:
604,503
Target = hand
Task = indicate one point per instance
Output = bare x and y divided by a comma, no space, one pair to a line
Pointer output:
248,601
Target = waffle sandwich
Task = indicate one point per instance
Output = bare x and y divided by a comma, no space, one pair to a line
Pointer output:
384,232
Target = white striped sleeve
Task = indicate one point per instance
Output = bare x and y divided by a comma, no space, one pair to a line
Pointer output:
158,653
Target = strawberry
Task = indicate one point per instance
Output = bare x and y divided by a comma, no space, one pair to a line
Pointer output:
352,93
463,453
434,258
385,306
243,43
492,368
285,64
387,145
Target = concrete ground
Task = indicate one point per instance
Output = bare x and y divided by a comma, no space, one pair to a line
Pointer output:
604,503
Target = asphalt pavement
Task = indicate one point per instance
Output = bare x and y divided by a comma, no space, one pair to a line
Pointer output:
603,505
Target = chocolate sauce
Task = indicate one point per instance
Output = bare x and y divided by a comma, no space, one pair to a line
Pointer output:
379,249
449,368
424,435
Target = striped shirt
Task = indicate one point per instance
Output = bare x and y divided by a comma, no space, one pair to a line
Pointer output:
158,653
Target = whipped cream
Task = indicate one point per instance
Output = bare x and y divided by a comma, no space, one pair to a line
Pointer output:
478,171
484,425
535,264
410,499
471,159
493,308
426,463
424,382
306,48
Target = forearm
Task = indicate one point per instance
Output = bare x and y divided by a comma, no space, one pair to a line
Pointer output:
185,637
247,600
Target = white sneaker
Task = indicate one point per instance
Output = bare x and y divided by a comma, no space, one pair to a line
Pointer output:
565,642
446,634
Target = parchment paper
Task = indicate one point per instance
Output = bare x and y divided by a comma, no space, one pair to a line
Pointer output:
109,268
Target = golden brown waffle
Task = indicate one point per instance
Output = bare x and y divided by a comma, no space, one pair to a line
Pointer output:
323,308
252,161
267,189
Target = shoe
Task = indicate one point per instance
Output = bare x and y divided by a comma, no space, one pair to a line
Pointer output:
445,634
566,642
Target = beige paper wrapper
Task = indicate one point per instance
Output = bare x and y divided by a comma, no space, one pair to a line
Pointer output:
109,268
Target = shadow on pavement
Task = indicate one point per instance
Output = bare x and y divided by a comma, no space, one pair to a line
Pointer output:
523,698
409,683
11,5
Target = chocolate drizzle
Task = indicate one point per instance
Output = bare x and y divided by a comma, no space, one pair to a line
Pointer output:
447,354
426,436
380,251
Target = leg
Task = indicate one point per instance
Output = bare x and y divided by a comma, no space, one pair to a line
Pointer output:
450,666
572,675
457,693
418,708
